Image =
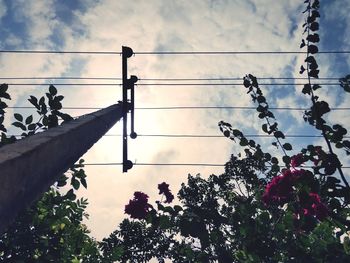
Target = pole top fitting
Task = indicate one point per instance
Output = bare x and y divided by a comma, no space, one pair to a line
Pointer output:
127,165
127,52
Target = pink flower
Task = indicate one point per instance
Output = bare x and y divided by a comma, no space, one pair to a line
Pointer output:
164,189
314,207
138,207
297,160
280,189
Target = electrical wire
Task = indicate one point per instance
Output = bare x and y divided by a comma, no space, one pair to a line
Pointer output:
60,78
166,84
219,136
186,108
178,164
212,136
169,52
158,79
233,52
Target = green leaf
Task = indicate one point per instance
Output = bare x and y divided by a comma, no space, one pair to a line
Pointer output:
5,95
227,133
261,99
279,134
64,116
29,119
236,133
75,183
70,195
264,127
3,88
267,156
286,159
310,59
274,160
52,90
18,117
251,143
32,126
314,73
313,38
287,146
314,26
34,101
164,222
177,208
243,142
19,125
312,49
83,182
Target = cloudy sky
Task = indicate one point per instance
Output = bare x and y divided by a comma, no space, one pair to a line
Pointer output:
155,25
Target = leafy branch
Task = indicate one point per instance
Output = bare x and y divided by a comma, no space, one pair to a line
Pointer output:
319,108
271,126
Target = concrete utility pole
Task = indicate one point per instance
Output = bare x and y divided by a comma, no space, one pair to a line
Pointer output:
29,166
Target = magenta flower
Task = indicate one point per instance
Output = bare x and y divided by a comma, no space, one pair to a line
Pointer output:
138,207
280,189
297,160
314,207
164,189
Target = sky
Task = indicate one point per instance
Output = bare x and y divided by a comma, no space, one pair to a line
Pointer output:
155,25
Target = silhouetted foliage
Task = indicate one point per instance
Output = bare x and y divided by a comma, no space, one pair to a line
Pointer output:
258,210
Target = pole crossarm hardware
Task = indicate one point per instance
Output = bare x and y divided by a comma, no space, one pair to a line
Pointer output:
128,105
29,166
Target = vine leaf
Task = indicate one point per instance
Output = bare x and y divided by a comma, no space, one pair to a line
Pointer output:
312,49
287,146
313,38
18,117
314,26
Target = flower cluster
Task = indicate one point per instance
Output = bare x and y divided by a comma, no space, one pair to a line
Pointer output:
280,189
297,160
314,207
283,189
138,207
164,189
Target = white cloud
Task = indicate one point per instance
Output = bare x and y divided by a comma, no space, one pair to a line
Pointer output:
171,26
3,8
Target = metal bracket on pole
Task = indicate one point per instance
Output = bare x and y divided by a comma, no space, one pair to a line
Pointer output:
128,105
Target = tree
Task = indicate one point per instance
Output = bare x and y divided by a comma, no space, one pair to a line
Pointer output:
258,210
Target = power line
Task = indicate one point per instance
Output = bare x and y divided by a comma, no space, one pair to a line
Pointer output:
186,108
169,52
62,52
60,78
155,164
158,79
64,84
167,84
233,78
180,164
225,107
213,136
233,52
232,84
219,136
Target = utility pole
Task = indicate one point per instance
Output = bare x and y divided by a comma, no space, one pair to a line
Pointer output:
30,166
